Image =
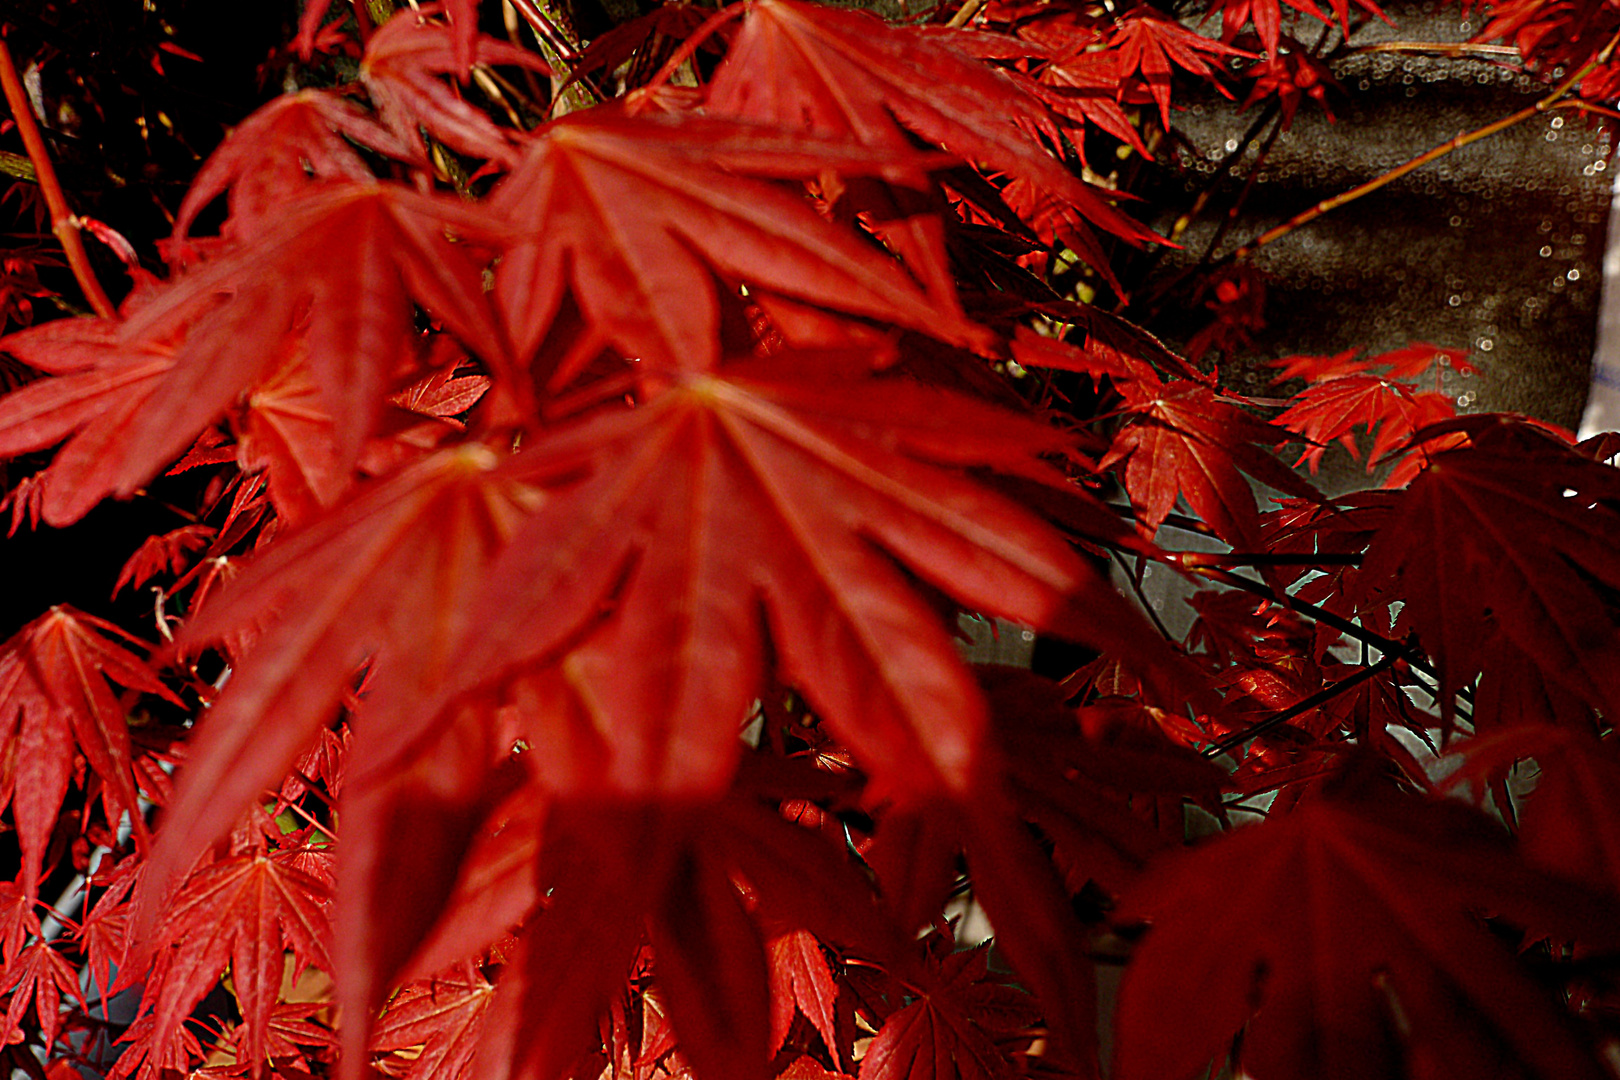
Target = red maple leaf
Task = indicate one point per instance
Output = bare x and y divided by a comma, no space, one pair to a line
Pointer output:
1189,442
640,215
384,574
1148,42
403,68
709,493
440,1019
292,142
615,869
801,983
1267,18
1504,538
965,1024
57,699
39,976
1344,935
97,385
1344,396
246,911
848,75
169,553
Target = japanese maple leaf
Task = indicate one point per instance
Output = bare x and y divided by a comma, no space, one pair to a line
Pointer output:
847,75
385,575
19,924
166,553
1345,935
1082,87
616,869
1506,538
403,68
136,393
1189,442
1267,18
151,1054
1344,395
785,491
276,153
97,385
56,700
245,910
442,1017
1073,786
39,976
285,430
290,1031
340,268
1291,74
637,216
801,983
962,1026
1148,42
463,16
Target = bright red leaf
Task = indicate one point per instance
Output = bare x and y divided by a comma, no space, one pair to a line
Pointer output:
57,700
637,217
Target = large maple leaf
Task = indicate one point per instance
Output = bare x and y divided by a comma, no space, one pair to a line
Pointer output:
1505,536
640,215
1346,935
277,152
848,75
785,492
339,267
384,574
97,384
616,870
57,699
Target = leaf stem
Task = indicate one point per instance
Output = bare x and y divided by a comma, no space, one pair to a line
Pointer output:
1433,154
1321,697
64,223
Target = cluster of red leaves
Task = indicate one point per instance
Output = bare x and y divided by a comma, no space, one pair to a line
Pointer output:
568,623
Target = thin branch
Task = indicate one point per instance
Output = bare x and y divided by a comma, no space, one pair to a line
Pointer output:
1194,560
1321,697
64,223
301,812
1452,49
1141,597
1389,645
1435,153
1587,106
1175,521
965,14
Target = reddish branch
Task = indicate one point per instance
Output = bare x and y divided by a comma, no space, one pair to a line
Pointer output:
64,223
